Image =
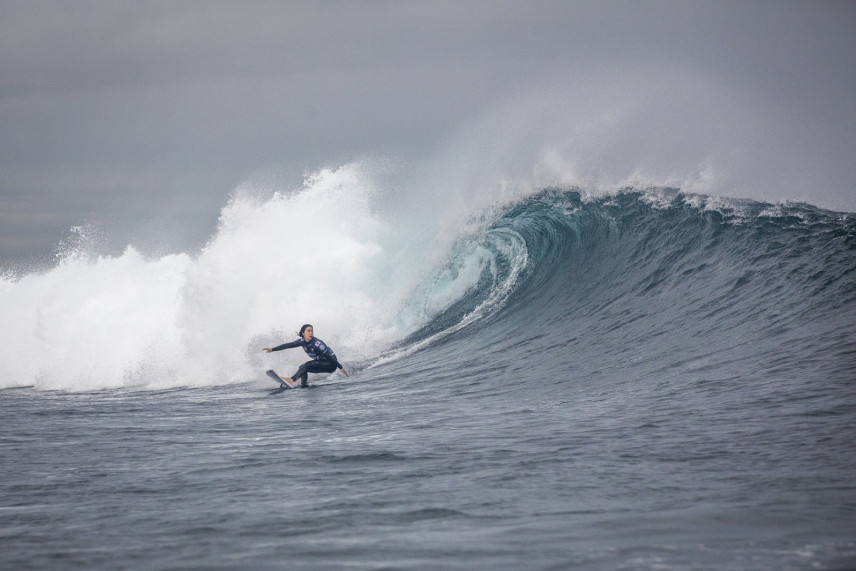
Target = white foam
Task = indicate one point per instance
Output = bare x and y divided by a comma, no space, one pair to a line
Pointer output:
327,254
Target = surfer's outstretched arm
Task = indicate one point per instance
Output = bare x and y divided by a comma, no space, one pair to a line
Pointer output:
283,346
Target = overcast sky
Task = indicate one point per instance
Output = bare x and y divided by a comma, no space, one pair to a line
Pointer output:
141,117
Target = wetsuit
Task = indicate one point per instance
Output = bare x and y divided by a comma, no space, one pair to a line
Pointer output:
323,358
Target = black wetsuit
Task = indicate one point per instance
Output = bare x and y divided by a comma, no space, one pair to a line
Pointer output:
323,358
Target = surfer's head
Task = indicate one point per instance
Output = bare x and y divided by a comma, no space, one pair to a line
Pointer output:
307,331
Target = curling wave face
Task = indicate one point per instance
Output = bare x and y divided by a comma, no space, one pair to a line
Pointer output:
659,284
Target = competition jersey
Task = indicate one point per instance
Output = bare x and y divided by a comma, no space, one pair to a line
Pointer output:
315,348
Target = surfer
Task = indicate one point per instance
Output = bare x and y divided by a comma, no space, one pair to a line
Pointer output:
323,358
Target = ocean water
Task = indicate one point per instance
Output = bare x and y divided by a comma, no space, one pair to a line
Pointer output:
636,379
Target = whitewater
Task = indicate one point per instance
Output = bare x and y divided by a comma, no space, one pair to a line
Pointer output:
547,377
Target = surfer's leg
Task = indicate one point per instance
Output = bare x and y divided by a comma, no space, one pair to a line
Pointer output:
302,373
321,367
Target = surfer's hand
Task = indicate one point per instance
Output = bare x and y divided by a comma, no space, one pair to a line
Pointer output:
344,371
267,349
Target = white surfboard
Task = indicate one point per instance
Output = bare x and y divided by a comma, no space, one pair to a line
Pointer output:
282,382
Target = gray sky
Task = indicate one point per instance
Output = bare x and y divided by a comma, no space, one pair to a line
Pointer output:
141,117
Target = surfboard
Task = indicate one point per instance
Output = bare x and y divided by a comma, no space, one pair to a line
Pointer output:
282,382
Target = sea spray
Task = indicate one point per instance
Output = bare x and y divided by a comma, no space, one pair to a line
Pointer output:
91,323
327,253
